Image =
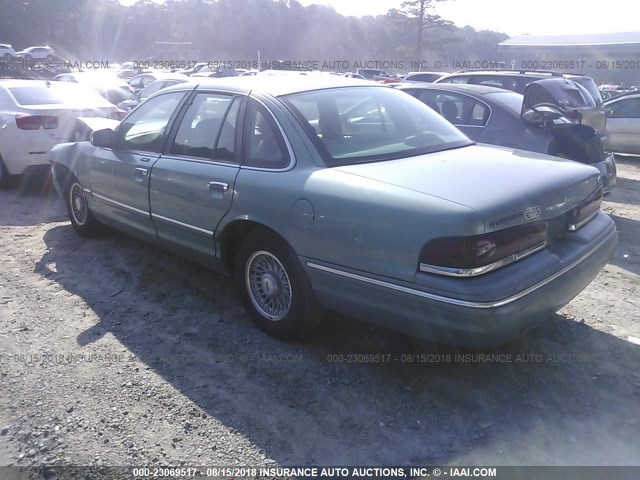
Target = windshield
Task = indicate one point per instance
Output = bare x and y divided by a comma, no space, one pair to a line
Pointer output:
366,124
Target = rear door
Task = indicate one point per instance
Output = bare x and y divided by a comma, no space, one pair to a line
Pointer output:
623,125
192,184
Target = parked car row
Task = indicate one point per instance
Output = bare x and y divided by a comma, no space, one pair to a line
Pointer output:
8,53
535,121
36,115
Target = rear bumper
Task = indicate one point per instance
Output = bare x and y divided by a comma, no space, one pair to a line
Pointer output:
453,320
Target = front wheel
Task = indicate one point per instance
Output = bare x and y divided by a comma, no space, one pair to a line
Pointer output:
7,57
81,217
275,290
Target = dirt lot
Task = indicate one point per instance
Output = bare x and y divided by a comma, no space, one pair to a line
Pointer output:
113,352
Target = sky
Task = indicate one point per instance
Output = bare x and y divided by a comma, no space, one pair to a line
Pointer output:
513,17
516,17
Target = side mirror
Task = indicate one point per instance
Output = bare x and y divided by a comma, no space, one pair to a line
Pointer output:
103,138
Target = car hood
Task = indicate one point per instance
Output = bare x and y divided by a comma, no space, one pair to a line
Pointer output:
506,187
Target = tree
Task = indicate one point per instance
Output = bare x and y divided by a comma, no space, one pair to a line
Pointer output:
415,14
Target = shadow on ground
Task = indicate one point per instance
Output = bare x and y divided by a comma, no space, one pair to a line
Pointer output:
564,394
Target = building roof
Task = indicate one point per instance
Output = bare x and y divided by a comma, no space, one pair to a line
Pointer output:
610,43
585,40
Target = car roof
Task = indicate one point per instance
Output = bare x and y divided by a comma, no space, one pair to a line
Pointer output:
273,85
621,96
455,87
15,82
517,73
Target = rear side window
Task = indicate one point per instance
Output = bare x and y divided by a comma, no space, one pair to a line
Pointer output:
458,109
264,145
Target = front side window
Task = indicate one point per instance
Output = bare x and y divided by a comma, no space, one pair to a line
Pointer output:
210,120
363,124
146,127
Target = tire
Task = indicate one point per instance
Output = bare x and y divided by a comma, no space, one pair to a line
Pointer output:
49,58
7,57
28,58
6,180
82,219
274,288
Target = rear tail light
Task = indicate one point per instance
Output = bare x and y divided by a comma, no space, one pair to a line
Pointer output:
479,254
34,122
583,213
575,117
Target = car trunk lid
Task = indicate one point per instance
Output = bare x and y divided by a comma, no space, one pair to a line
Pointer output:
507,187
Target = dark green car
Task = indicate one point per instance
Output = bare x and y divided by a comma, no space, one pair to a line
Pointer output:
318,193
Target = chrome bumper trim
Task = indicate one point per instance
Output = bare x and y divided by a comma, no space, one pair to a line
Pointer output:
474,272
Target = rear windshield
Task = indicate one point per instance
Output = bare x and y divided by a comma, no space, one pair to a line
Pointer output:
590,85
56,93
366,124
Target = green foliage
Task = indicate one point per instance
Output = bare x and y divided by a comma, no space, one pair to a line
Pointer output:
235,30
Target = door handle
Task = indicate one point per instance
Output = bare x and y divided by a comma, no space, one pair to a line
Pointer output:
142,172
218,187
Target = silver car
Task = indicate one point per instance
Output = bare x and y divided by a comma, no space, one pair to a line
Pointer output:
623,123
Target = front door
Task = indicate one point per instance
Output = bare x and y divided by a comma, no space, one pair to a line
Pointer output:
120,176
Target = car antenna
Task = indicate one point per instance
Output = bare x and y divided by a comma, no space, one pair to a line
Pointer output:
48,83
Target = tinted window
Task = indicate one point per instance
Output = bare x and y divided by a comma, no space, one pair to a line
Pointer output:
423,77
264,145
152,88
589,85
456,79
456,108
354,125
202,125
498,81
629,108
511,100
145,128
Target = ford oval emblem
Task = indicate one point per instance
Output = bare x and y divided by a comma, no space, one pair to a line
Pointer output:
531,213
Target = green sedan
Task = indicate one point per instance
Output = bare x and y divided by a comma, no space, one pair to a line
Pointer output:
321,193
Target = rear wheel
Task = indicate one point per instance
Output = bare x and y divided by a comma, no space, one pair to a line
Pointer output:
81,217
28,58
6,180
7,57
275,290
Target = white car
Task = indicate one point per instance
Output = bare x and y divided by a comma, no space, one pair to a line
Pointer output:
37,53
35,115
105,83
623,123
6,52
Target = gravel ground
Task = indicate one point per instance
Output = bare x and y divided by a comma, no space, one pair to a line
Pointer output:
113,352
